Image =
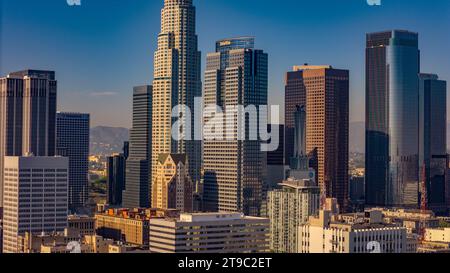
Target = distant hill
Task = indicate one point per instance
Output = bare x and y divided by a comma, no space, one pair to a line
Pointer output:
108,140
357,137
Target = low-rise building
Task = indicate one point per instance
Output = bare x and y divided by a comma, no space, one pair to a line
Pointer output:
84,224
209,233
330,233
130,226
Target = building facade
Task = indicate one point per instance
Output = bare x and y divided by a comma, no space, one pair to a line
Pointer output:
234,164
177,82
27,115
392,119
36,197
209,233
327,127
137,193
323,234
172,186
433,142
72,141
288,208
116,169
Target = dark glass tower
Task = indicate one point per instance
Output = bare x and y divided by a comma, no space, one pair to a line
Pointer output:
433,140
73,142
392,119
138,166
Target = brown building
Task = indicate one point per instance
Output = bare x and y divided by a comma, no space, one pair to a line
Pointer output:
327,127
130,226
172,187
85,225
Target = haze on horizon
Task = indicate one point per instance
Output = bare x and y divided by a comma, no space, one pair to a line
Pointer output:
102,49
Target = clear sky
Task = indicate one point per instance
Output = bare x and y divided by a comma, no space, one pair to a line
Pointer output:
103,48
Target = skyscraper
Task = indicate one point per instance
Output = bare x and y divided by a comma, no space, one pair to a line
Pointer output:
392,119
327,127
295,95
177,81
137,192
433,140
27,115
172,187
236,75
36,197
72,141
116,167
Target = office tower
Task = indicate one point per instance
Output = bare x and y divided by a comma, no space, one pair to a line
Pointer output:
288,208
236,75
210,232
177,81
27,115
72,141
137,191
36,197
126,149
172,186
276,169
327,128
295,95
116,168
433,141
392,119
350,233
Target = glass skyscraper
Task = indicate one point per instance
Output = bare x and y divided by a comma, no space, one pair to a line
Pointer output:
433,140
392,119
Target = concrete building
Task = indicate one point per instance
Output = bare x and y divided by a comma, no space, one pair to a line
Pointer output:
441,235
288,208
27,115
72,141
327,127
209,233
177,81
235,165
330,233
84,225
137,193
172,186
36,197
392,119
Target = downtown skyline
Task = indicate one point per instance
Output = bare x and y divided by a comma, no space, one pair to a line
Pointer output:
104,90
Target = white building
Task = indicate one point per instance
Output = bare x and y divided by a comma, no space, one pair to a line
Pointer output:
35,197
288,208
441,235
209,233
330,234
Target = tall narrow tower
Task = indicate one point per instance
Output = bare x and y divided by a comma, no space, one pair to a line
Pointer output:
176,82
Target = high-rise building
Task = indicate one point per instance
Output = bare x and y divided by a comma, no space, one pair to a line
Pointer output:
36,197
116,167
327,128
172,186
295,95
288,208
276,168
392,119
433,140
137,192
235,76
27,115
72,141
177,81
210,232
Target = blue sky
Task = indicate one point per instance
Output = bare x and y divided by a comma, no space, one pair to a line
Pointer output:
103,48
